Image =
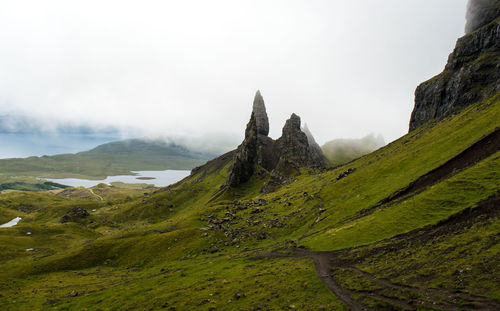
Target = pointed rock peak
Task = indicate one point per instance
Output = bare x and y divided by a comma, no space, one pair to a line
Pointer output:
292,124
309,135
259,112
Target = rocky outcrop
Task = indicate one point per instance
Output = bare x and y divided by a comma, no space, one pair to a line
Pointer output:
281,157
480,13
472,72
294,146
316,151
259,112
74,214
246,156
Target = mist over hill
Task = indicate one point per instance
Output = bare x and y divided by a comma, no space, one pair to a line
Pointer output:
339,151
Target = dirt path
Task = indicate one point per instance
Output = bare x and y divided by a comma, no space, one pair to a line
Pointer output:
332,268
325,264
323,270
93,193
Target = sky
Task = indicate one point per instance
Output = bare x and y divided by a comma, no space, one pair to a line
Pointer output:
191,68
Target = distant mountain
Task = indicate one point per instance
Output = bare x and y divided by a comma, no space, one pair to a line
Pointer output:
28,125
108,159
340,151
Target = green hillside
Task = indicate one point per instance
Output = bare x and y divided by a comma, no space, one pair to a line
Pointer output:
412,226
116,158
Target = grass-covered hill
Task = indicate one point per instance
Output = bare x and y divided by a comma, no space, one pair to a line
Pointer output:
108,159
412,226
340,151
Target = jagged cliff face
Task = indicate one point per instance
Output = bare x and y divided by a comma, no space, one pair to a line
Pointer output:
290,152
480,13
472,72
246,156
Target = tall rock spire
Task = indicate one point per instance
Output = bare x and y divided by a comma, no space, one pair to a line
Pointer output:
259,112
259,153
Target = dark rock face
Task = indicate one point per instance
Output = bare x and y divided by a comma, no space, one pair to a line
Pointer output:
315,149
472,74
294,145
480,13
245,157
282,157
259,111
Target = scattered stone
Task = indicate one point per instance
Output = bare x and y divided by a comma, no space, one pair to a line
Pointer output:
346,173
74,214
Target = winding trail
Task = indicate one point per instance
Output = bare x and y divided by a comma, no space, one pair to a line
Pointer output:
98,196
323,270
324,263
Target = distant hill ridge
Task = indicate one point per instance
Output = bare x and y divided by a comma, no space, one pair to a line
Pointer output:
115,158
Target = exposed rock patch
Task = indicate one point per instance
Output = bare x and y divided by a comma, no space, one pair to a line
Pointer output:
74,214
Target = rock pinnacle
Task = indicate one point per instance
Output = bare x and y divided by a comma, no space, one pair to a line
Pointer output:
259,111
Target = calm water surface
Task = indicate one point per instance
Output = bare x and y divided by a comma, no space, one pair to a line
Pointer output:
158,179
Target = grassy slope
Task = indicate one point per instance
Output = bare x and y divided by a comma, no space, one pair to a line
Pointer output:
114,258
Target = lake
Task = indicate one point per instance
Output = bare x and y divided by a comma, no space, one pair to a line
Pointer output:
11,223
21,145
156,178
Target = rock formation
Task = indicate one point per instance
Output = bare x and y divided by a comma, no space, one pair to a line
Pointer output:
259,112
294,145
289,153
246,156
315,148
480,13
472,72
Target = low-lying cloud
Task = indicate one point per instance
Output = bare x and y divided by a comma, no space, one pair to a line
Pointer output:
190,68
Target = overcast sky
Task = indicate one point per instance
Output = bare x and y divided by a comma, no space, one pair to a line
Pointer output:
187,67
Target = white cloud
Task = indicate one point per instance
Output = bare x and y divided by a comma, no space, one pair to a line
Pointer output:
191,67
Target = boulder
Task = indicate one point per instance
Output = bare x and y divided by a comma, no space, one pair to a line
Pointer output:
74,214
